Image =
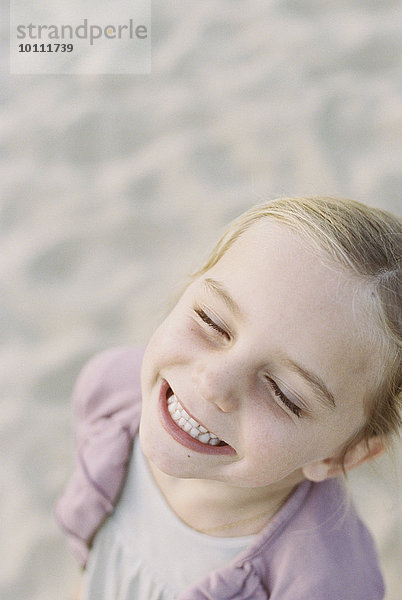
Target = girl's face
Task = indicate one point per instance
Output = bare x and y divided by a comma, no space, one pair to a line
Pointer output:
264,352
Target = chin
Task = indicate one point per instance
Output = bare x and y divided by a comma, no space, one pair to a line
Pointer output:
161,458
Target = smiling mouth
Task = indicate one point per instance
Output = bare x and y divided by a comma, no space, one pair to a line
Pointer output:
188,424
186,430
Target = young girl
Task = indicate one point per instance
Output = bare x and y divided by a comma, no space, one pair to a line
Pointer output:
276,373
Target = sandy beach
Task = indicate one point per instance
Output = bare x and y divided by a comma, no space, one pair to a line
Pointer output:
114,188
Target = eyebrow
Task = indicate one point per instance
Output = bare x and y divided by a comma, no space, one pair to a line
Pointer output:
217,288
321,390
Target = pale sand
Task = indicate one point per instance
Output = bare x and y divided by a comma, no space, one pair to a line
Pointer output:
113,188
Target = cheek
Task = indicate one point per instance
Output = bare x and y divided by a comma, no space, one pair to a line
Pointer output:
274,447
174,340
173,343
271,442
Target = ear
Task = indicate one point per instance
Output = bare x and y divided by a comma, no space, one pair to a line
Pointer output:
355,456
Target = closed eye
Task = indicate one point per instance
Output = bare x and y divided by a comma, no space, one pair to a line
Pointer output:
284,399
210,322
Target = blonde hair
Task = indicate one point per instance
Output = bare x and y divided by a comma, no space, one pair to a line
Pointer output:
368,242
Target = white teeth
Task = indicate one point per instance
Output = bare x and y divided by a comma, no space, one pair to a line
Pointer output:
190,425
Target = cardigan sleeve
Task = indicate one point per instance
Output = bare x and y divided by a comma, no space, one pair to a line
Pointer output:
106,412
325,551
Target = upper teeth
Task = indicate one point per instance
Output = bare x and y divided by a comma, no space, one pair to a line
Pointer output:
190,425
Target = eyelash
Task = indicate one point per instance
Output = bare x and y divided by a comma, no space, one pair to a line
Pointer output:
204,317
277,391
285,400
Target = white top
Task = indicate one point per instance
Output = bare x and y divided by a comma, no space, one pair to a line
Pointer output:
145,552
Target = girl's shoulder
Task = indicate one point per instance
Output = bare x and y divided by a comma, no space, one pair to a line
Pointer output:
108,385
106,406
318,547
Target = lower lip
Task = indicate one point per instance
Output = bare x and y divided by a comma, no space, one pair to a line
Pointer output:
181,436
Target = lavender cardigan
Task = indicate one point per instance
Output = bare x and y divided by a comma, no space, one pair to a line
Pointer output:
315,548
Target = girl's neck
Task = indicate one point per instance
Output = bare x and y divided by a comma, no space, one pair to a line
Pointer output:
220,509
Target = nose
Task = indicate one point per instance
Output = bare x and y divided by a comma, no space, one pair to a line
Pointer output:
215,381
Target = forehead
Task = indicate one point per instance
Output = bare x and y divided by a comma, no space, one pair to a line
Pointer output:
270,252
291,291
